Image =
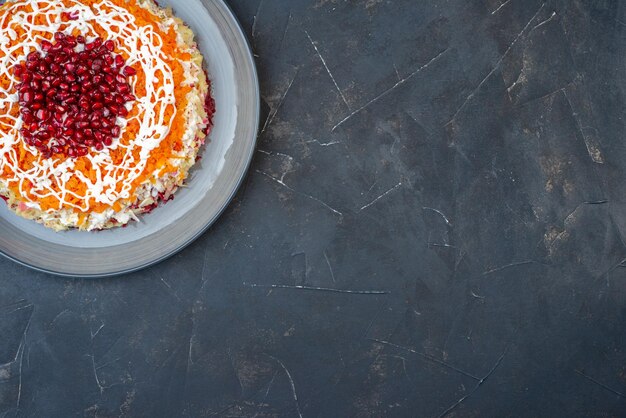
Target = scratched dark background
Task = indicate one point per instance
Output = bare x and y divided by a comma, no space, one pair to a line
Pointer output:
438,199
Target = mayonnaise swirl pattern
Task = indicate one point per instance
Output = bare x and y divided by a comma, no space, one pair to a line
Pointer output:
143,48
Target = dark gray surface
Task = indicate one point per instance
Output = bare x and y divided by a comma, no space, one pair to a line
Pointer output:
507,298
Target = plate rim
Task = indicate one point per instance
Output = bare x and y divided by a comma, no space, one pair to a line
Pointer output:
242,176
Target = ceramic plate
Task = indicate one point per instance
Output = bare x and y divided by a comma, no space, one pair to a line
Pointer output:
212,184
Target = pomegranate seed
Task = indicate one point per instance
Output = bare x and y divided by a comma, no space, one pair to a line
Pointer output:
32,57
59,36
107,141
116,131
80,39
110,45
46,46
119,61
62,57
39,97
130,71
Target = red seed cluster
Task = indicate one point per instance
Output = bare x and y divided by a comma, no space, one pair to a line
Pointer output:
70,99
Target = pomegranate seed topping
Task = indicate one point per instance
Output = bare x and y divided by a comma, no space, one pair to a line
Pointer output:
42,114
27,96
72,98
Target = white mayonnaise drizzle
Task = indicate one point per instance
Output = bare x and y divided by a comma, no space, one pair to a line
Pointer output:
121,27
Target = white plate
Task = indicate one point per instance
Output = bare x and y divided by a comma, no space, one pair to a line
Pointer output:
212,184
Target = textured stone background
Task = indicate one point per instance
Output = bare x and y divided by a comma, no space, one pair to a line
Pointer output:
439,195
